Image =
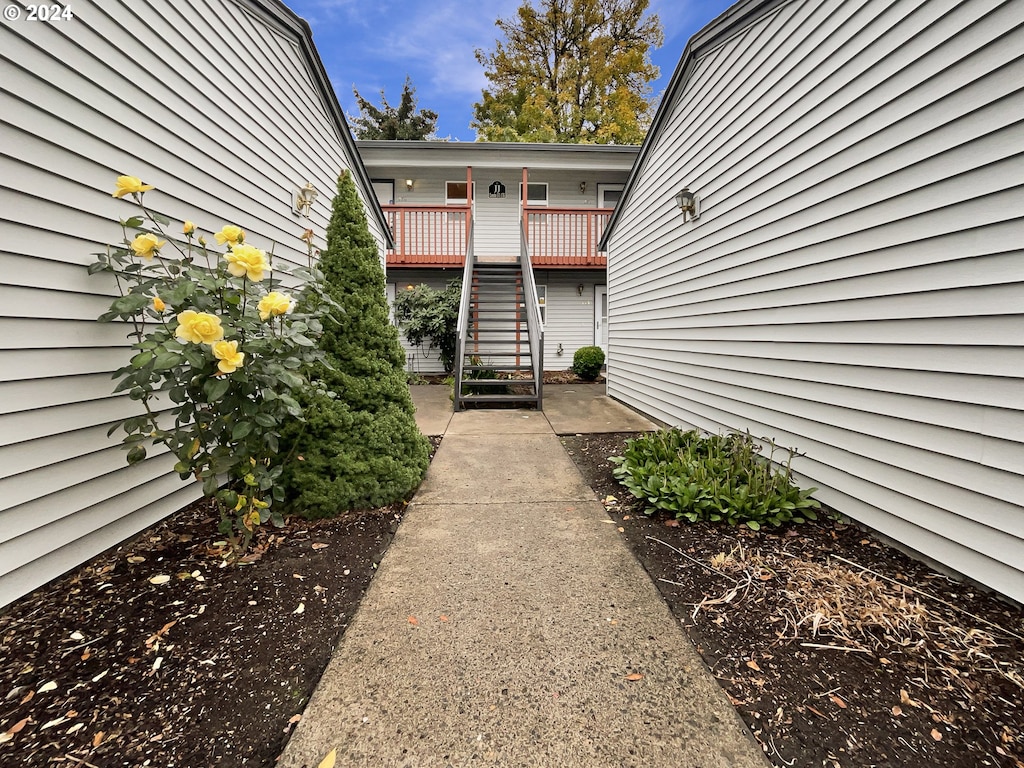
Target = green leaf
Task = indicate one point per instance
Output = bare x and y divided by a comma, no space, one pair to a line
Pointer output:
137,454
133,223
216,388
141,359
753,525
210,485
166,360
265,419
241,429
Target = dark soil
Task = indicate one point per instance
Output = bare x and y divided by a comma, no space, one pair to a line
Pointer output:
881,693
104,668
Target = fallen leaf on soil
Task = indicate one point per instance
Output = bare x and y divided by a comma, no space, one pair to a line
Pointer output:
318,545
60,720
77,636
838,702
16,728
819,714
161,579
414,621
97,739
50,686
896,711
621,529
328,762
905,699
28,697
136,559
753,666
634,677
936,735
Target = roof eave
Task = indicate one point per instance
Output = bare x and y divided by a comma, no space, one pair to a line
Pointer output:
722,27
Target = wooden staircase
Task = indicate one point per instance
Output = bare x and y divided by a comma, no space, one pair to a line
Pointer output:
496,340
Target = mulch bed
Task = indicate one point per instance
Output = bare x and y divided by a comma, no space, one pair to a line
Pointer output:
828,659
114,665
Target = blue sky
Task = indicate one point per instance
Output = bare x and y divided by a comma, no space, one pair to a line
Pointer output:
374,44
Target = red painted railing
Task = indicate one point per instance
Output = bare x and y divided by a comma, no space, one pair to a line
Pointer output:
566,237
434,235
437,235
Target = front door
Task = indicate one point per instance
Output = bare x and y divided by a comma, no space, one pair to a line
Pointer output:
601,318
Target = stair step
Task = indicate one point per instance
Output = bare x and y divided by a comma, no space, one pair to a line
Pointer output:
495,382
502,398
526,367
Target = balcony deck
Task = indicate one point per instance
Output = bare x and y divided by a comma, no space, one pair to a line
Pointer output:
436,236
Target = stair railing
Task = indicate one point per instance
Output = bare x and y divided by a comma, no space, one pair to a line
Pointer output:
463,322
534,326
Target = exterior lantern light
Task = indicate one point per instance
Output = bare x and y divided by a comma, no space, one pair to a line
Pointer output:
688,203
408,185
303,199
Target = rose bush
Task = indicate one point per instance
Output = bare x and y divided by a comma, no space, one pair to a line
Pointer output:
219,355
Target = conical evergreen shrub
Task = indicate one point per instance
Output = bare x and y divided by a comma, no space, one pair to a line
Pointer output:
360,449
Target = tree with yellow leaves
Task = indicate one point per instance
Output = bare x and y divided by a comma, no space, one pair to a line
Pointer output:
570,71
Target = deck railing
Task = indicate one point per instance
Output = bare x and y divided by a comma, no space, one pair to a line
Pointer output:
438,235
566,237
435,235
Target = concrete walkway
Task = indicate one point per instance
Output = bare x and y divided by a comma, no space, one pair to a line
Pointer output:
509,625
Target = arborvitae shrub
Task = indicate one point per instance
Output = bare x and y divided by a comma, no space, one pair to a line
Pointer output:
359,448
587,362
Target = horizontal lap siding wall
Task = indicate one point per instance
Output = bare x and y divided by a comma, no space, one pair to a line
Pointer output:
855,284
203,99
569,314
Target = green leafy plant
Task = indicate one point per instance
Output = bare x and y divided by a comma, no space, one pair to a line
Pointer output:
587,362
360,447
430,316
719,478
481,373
219,355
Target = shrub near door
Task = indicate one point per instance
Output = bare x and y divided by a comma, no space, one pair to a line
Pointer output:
587,362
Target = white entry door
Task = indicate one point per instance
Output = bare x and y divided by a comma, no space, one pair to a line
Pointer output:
601,318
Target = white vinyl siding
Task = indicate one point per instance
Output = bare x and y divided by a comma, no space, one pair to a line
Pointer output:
151,90
855,284
570,315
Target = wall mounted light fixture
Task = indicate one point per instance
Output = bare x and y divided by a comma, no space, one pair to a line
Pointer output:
579,289
408,185
583,187
688,203
303,199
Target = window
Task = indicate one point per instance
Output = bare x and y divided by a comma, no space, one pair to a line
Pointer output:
384,189
455,192
608,195
536,193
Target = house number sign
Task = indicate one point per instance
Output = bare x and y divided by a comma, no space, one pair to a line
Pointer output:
497,189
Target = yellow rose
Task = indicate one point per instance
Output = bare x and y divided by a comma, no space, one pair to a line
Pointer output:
246,260
129,185
188,227
231,234
229,359
198,327
274,303
146,245
158,304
